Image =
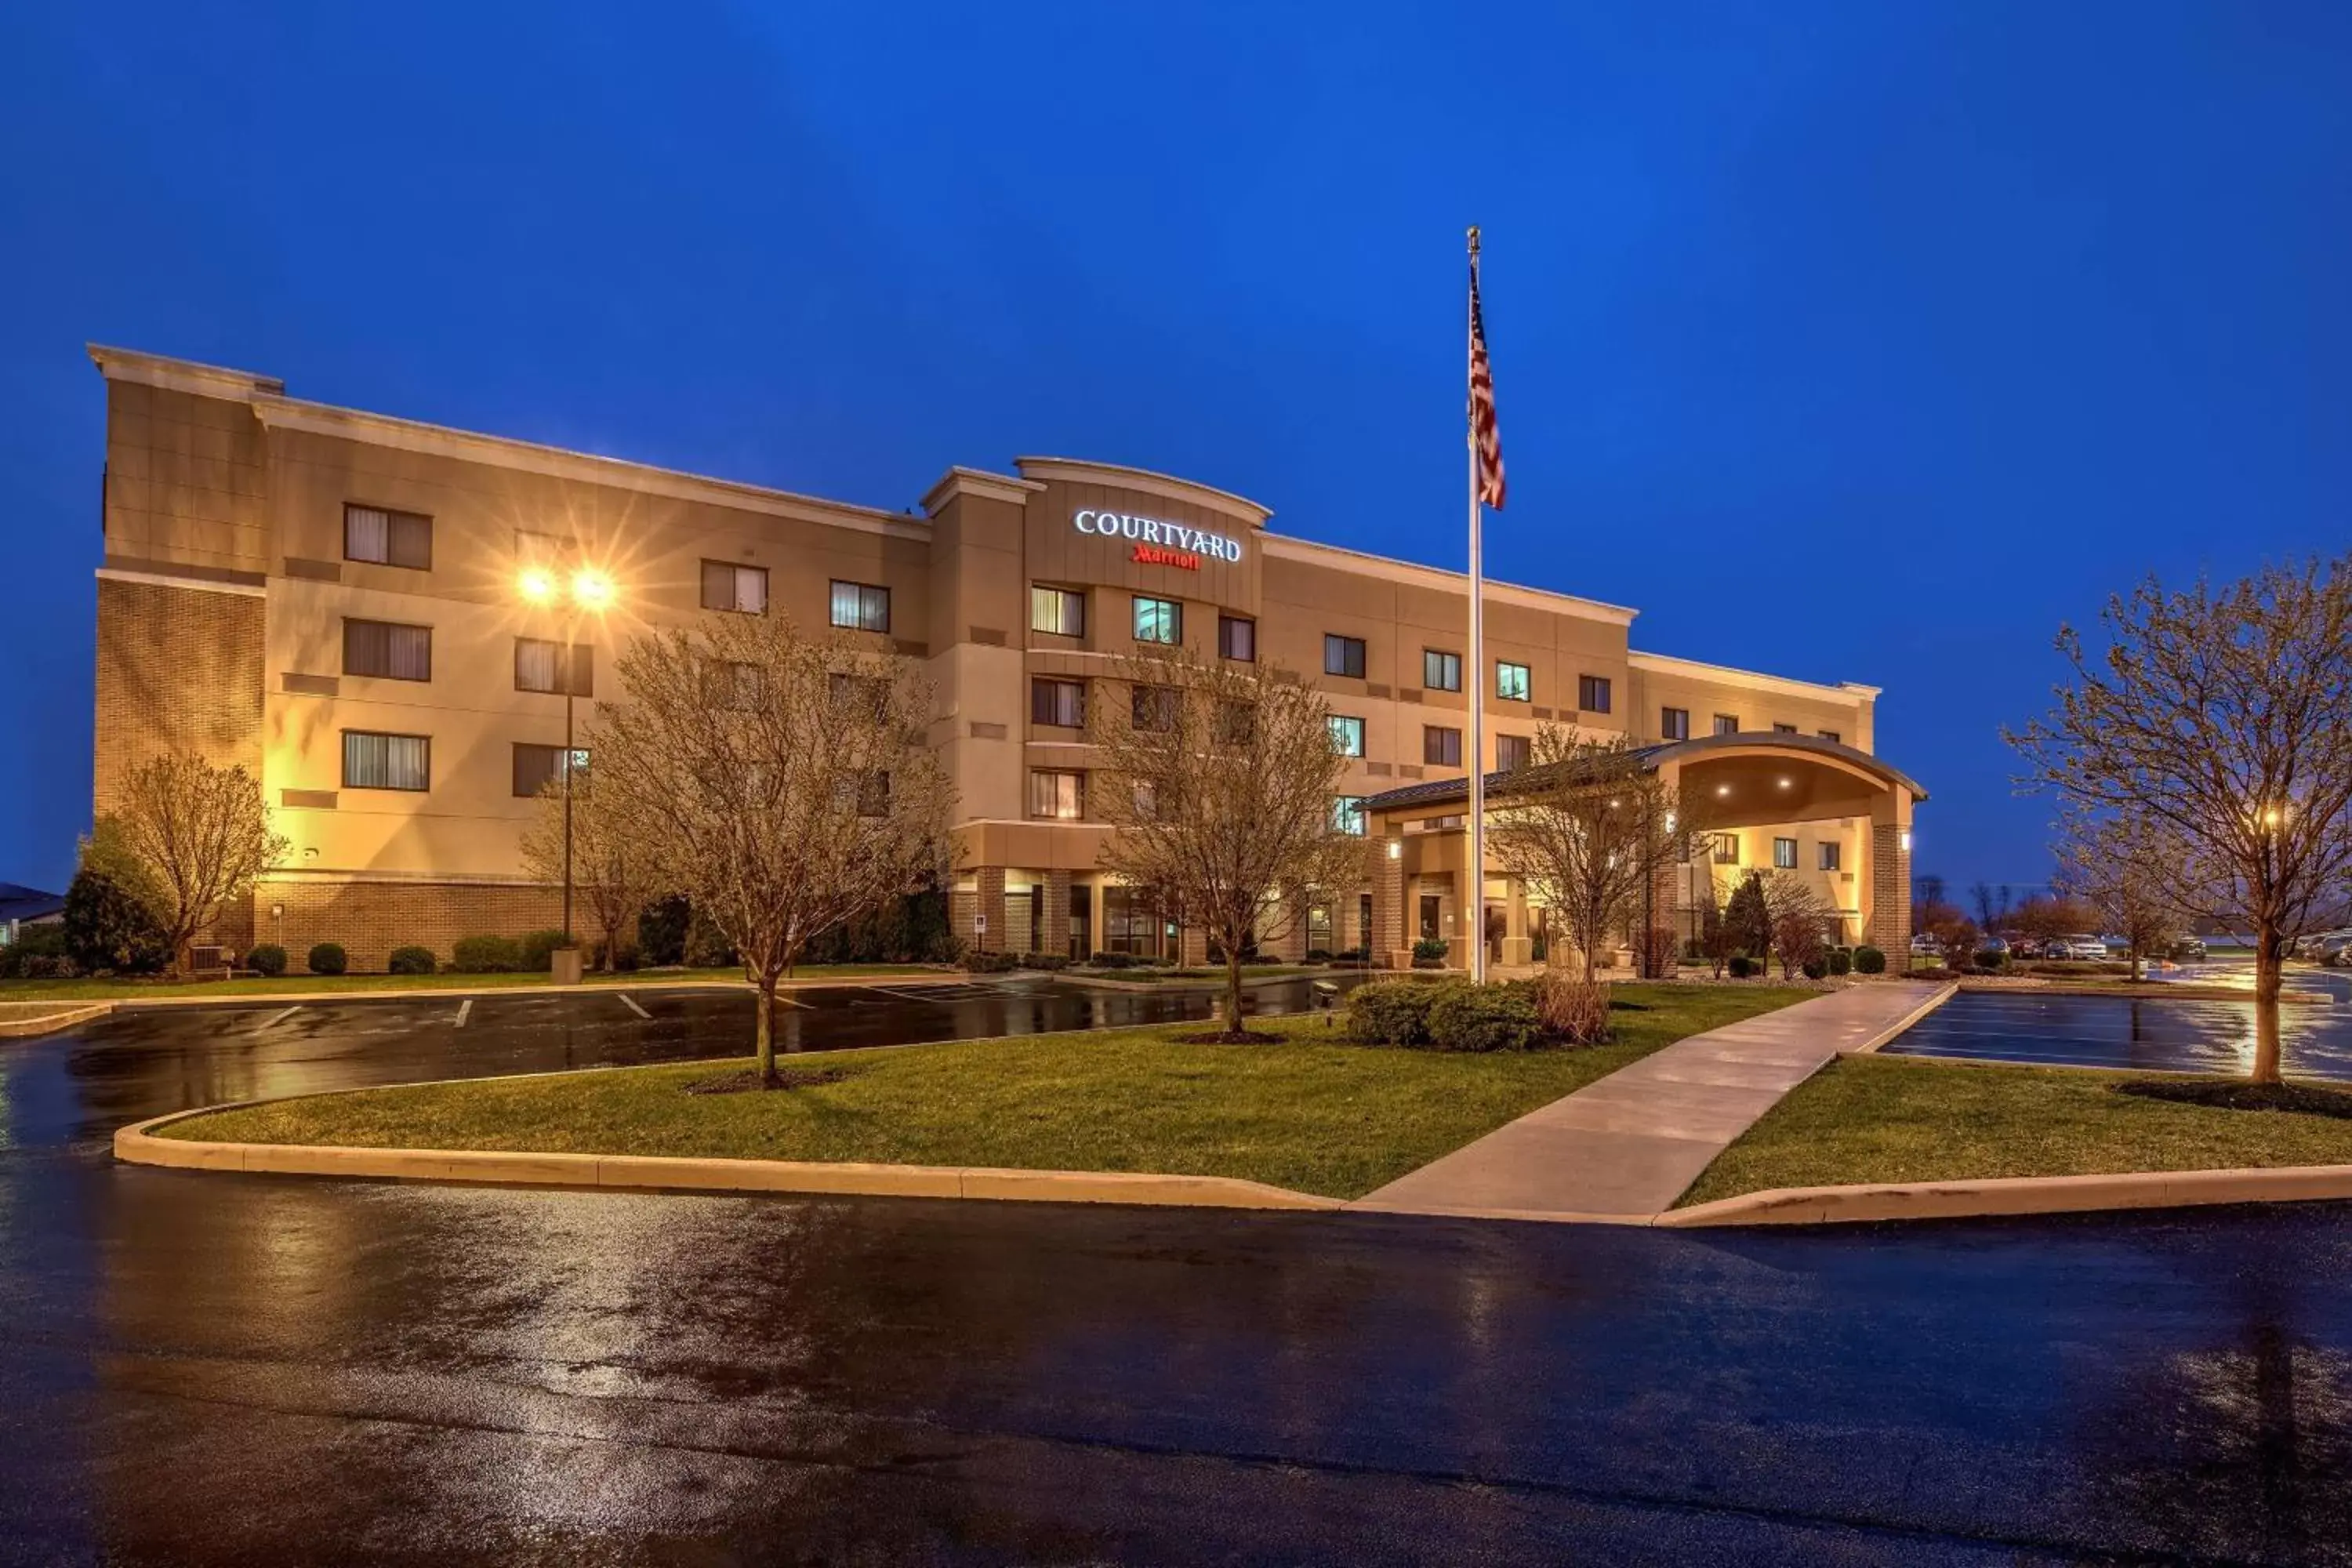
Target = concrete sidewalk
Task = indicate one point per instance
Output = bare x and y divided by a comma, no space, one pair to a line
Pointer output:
1628,1146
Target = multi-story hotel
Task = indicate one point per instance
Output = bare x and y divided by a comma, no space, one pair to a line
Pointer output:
328,597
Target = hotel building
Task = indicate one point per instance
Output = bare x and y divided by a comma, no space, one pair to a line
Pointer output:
329,596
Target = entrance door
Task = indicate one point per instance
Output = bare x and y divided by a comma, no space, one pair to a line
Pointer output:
1429,917
1082,923
1498,922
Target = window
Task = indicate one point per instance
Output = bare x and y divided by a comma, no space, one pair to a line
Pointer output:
1146,799
1060,611
1347,736
388,538
1440,745
1441,671
1674,724
1784,728
1154,709
1512,752
870,693
1784,853
1347,815
533,548
861,606
737,687
1726,723
374,761
1062,702
1829,855
536,767
1726,848
1159,620
1511,683
1236,724
1833,737
726,586
388,649
1058,795
1592,693
539,665
1237,639
1343,656
867,794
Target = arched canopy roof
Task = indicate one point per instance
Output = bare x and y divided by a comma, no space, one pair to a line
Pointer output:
1705,749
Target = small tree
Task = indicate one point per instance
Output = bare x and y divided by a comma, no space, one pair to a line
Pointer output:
611,864
1221,781
2119,864
110,920
202,835
1954,933
2224,716
1747,919
783,783
1798,917
1589,826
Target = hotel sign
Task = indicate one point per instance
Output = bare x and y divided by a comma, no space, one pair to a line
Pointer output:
1158,543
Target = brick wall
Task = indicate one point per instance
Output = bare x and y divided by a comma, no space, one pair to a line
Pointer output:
178,669
371,918
1890,894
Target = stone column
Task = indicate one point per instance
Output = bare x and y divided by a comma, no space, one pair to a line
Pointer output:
1056,935
1192,947
1290,947
1387,938
1890,893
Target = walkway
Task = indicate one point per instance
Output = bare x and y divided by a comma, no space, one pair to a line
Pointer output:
1628,1146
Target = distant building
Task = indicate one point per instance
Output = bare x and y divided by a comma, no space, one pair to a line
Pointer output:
21,906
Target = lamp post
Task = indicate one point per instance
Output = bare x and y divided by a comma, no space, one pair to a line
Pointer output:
586,592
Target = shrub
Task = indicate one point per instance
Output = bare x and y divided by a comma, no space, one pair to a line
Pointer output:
410,961
991,962
1483,1018
266,958
1869,960
1318,955
1113,961
1045,961
486,955
1816,967
49,967
1841,962
1741,966
537,949
45,940
1693,952
1430,952
1392,1012
661,929
109,926
1991,957
328,958
706,949
1573,1010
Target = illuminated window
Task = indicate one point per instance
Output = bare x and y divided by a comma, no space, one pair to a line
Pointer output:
1347,736
1059,611
1512,752
1511,683
1784,853
1347,815
1726,723
388,538
1062,702
1154,709
1237,639
1674,724
1726,848
1592,693
539,665
1441,671
1784,728
375,761
1830,856
1343,656
1440,745
1159,620
387,649
860,608
1055,794
726,586
536,767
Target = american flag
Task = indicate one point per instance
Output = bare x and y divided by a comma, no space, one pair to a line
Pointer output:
1482,404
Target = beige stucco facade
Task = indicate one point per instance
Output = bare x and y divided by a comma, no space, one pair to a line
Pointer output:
229,583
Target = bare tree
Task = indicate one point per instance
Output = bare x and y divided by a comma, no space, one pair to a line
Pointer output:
2225,717
202,833
1928,888
2120,864
1222,780
1589,826
612,864
1799,918
783,783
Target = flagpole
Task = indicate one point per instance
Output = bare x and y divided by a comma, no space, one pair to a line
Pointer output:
1476,684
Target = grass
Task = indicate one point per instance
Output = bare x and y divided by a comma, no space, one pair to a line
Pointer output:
1897,1118
113,990
1315,1113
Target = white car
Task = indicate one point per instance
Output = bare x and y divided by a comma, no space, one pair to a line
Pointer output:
2080,944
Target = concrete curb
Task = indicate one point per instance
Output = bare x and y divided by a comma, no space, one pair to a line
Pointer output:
2000,1196
2154,991
17,1025
459,993
1933,1000
137,1145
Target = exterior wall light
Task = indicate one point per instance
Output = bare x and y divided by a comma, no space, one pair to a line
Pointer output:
1723,789
1903,840
1396,848
537,585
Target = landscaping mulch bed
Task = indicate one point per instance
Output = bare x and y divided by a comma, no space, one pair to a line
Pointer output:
786,1078
2237,1095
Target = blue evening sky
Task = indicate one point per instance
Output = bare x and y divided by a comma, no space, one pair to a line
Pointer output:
1848,340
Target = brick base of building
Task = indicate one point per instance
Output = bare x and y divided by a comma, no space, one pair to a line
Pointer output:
369,918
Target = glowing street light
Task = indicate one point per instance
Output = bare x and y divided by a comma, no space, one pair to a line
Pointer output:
589,592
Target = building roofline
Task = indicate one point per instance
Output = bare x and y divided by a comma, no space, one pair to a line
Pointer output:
179,375
977,482
1082,471
1438,577
1667,664
1499,785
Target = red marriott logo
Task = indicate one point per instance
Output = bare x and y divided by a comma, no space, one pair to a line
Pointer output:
1161,555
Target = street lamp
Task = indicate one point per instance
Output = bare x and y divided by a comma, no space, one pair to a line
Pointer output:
586,592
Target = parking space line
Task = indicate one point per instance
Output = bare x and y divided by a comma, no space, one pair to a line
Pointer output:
278,1018
463,1008
631,1003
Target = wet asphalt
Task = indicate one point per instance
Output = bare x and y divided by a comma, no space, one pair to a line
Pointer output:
207,1368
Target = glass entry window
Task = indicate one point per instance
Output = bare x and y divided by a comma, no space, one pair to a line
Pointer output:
1130,923
1082,921
1429,931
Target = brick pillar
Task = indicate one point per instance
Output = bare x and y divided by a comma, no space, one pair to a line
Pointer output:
1192,947
1290,947
1387,936
1890,893
1661,914
987,898
1057,936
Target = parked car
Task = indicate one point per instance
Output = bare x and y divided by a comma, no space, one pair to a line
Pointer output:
2187,948
1925,946
2316,944
2078,944
1993,944
2336,951
2026,947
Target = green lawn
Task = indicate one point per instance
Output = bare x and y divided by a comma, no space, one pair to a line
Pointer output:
1898,1119
1314,1113
158,990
